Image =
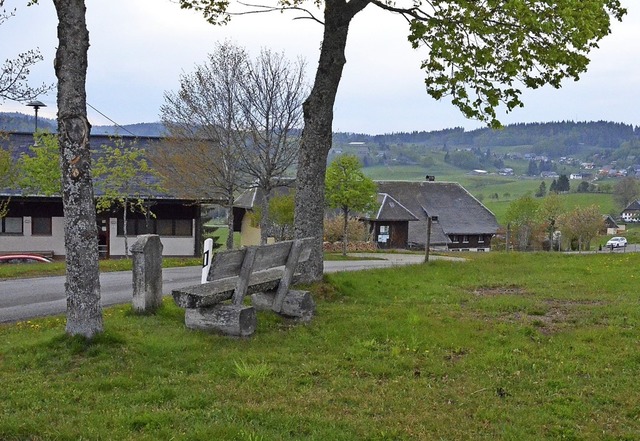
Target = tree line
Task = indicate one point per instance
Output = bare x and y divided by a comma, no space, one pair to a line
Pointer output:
554,138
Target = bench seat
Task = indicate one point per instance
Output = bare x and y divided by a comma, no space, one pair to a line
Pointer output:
212,293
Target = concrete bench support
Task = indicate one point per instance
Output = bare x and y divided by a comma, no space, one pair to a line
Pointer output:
296,304
232,320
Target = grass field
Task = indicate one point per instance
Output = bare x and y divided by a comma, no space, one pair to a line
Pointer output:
501,347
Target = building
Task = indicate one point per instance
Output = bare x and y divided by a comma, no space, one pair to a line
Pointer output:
244,208
631,213
459,221
35,223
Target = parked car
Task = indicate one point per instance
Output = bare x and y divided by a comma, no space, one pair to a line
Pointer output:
616,242
23,258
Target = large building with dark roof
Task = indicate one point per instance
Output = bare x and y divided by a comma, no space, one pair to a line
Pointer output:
459,220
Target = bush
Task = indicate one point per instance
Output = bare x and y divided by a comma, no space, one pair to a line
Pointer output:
356,230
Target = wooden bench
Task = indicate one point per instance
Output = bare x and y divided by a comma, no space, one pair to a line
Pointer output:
265,271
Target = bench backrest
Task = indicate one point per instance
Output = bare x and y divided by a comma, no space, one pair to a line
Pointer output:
228,263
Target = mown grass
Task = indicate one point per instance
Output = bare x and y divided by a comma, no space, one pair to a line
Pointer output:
503,346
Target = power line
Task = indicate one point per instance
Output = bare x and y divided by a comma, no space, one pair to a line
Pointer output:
114,123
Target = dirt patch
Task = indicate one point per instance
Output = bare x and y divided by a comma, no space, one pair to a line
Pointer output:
557,315
550,317
489,291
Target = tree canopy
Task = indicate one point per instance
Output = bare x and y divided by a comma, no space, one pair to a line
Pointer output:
349,190
39,172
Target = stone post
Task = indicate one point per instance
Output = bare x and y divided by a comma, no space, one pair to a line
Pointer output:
147,274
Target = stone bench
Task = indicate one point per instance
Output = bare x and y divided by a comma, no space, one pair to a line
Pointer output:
265,271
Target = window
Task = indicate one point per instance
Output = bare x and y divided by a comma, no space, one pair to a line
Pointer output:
163,227
465,239
455,238
11,225
41,226
182,227
144,227
481,238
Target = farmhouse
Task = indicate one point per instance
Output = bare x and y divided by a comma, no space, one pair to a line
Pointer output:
631,213
459,221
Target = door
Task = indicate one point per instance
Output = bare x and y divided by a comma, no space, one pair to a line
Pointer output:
384,236
103,237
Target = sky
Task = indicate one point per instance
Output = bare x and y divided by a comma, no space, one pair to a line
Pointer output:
139,49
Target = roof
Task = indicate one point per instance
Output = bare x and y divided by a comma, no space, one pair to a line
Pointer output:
251,197
19,143
633,206
391,210
609,221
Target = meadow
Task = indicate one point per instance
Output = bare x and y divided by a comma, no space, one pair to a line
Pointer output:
503,346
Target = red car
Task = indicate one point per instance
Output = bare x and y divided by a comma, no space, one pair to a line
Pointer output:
23,258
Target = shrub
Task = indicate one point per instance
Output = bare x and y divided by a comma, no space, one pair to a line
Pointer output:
356,230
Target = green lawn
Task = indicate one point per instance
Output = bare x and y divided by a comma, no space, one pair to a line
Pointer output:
501,347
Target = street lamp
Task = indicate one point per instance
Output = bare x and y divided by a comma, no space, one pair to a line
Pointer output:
36,105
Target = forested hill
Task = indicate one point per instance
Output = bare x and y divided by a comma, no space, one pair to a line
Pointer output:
19,122
566,134
563,138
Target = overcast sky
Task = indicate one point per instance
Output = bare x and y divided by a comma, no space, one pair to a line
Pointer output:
139,48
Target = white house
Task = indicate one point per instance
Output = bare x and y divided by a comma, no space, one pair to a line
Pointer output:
36,224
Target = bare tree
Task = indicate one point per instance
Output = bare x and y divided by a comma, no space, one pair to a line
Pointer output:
201,118
15,72
626,191
233,121
271,101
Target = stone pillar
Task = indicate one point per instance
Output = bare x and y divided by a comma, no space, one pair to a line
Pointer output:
147,274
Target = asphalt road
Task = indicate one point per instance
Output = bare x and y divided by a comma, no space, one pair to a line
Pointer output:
22,299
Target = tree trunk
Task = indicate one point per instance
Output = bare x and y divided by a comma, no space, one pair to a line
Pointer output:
124,228
84,311
317,133
230,223
264,219
345,230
